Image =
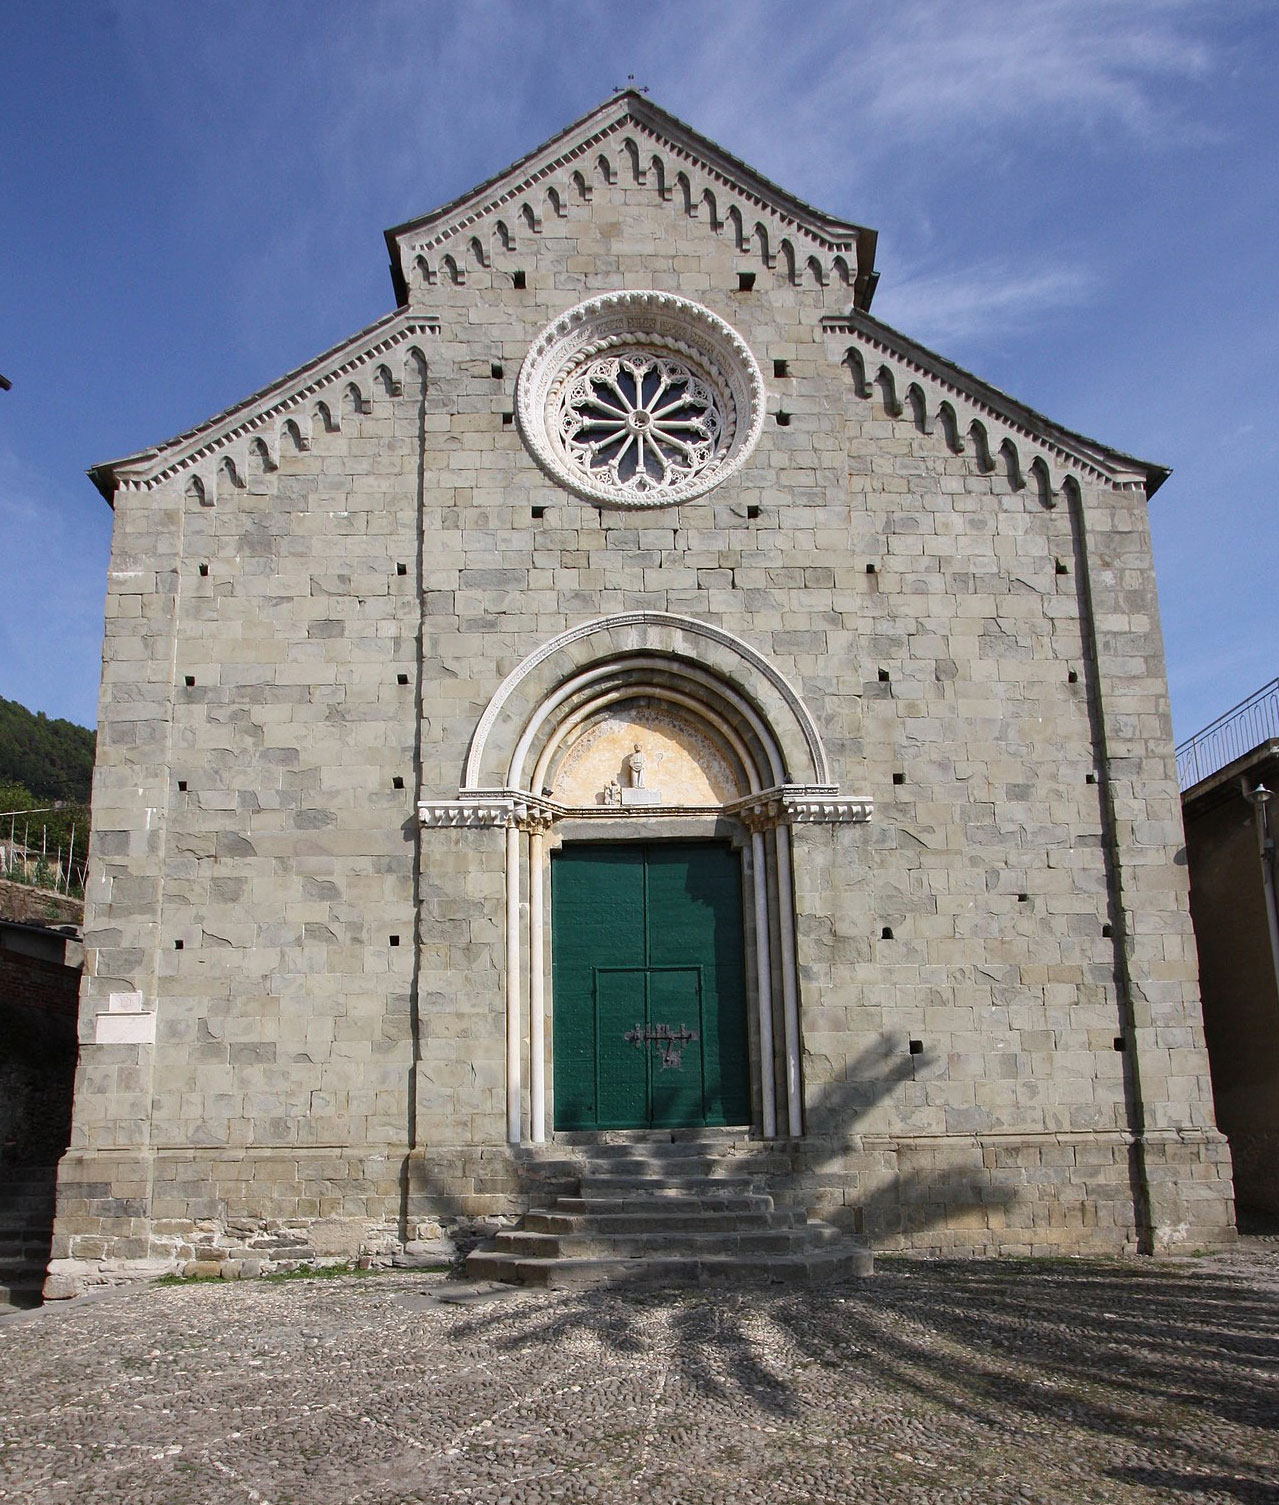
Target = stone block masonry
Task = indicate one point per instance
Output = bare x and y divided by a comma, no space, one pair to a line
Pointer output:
358,602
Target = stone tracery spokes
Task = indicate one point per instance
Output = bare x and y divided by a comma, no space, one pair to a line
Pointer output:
639,399
640,421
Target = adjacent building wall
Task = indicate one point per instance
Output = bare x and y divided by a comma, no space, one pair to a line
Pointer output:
39,987
1237,967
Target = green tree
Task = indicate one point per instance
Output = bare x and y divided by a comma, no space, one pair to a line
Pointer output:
51,758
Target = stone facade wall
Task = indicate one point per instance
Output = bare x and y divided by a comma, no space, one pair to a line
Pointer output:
981,656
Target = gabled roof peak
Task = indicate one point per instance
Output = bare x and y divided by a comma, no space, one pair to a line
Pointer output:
629,139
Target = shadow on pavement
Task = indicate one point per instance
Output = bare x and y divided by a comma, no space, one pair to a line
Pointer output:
1149,1357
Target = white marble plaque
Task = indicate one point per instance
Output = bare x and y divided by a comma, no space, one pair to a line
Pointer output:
124,1029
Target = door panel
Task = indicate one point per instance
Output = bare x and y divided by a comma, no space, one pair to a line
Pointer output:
621,1070
695,911
649,986
597,908
675,1061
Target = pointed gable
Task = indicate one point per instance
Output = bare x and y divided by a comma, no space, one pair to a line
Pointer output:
626,144
631,160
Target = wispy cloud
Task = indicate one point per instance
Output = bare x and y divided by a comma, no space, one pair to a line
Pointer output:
866,110
855,83
50,603
814,95
942,308
1058,64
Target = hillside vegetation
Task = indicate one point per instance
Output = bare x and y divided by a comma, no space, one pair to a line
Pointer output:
50,759
43,764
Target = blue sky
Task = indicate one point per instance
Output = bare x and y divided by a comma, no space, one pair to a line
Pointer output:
1076,199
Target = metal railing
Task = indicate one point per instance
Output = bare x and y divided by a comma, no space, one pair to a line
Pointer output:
1238,731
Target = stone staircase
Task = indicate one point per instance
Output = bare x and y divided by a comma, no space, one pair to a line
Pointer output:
659,1209
26,1230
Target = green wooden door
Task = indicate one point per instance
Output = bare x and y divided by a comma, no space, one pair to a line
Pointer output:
650,996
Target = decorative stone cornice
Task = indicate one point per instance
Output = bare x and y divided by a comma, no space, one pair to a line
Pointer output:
973,415
802,804
631,143
263,415
788,804
490,807
470,813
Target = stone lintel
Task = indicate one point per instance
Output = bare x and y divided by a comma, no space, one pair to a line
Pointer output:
783,805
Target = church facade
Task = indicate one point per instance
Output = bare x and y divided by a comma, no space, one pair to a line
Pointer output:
629,690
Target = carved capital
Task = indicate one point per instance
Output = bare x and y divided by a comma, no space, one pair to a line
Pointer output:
490,807
794,804
465,813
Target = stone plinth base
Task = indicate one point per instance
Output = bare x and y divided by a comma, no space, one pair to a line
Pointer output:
1024,1194
126,1215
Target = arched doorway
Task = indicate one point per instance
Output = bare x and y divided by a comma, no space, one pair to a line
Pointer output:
646,759
647,769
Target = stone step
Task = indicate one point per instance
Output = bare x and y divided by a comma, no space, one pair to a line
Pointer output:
30,1245
21,1181
35,1193
673,1151
17,1273
839,1261
28,1262
17,1220
21,1291
672,1186
651,1220
540,1168
642,1200
651,1209
677,1154
681,1171
593,1244
602,1141
31,1250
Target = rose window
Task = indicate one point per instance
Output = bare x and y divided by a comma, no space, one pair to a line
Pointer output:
640,423
640,400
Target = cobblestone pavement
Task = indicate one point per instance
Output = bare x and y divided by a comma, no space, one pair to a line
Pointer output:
1001,1381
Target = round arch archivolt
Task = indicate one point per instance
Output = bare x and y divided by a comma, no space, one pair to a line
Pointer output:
714,650
715,685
